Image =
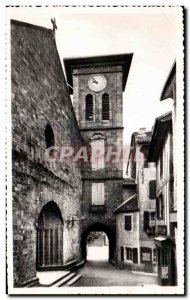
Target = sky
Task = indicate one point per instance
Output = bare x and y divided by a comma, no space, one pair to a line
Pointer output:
150,33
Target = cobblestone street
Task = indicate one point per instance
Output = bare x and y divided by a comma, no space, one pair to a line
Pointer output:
99,272
102,273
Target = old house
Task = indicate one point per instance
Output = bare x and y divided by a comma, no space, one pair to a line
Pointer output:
137,212
162,152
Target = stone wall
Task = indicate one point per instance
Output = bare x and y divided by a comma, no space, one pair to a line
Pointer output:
113,75
40,97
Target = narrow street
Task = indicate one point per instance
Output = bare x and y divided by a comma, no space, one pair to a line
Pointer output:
99,272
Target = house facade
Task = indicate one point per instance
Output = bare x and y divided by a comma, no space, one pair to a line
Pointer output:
140,207
163,152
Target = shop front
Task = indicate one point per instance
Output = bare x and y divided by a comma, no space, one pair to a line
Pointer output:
166,259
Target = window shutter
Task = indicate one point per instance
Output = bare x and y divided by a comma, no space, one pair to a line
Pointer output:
157,208
128,225
94,159
89,108
122,254
152,189
135,255
100,198
94,193
105,107
146,220
97,154
100,159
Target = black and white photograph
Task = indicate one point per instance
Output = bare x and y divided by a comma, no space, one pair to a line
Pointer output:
95,152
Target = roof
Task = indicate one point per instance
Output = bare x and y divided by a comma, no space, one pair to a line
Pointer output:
129,205
167,91
20,23
129,181
102,60
140,139
161,126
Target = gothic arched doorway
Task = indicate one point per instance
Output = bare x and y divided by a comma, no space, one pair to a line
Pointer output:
50,237
99,227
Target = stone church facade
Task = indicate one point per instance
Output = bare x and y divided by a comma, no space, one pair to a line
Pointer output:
46,198
56,204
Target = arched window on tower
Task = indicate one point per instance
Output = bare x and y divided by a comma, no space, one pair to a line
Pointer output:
49,136
105,107
89,107
97,151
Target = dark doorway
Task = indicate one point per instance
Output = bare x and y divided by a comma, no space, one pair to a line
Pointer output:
98,227
50,237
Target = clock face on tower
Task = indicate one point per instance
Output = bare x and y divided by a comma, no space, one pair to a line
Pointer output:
97,83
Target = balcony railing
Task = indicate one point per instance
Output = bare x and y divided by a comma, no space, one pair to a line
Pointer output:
151,230
161,229
97,209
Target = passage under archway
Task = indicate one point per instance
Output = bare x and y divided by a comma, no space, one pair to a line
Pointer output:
50,236
97,244
103,231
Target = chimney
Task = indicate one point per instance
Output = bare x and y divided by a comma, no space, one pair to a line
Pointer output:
142,130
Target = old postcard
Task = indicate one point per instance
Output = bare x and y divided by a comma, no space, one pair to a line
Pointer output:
95,153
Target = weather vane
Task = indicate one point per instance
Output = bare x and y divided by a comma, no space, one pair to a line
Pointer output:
53,21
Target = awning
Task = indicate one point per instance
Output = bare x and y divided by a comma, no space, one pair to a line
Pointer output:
165,242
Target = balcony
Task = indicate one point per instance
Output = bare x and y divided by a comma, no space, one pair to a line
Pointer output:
151,230
161,229
97,209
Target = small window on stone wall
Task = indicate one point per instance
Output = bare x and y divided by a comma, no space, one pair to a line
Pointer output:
49,136
128,223
129,254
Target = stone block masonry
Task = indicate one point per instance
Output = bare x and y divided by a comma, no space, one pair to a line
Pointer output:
40,97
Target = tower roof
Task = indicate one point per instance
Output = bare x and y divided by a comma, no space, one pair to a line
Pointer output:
129,205
103,60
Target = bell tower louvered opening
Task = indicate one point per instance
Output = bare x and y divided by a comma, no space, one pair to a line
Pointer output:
89,107
105,107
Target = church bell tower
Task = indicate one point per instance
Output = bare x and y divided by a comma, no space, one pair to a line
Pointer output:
97,84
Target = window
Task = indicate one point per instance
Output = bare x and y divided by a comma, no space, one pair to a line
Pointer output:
122,253
89,107
149,222
98,193
97,157
160,207
146,220
152,189
129,254
105,107
49,137
135,255
161,164
152,218
128,223
154,256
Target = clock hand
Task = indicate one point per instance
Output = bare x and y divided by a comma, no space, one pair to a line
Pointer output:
94,80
